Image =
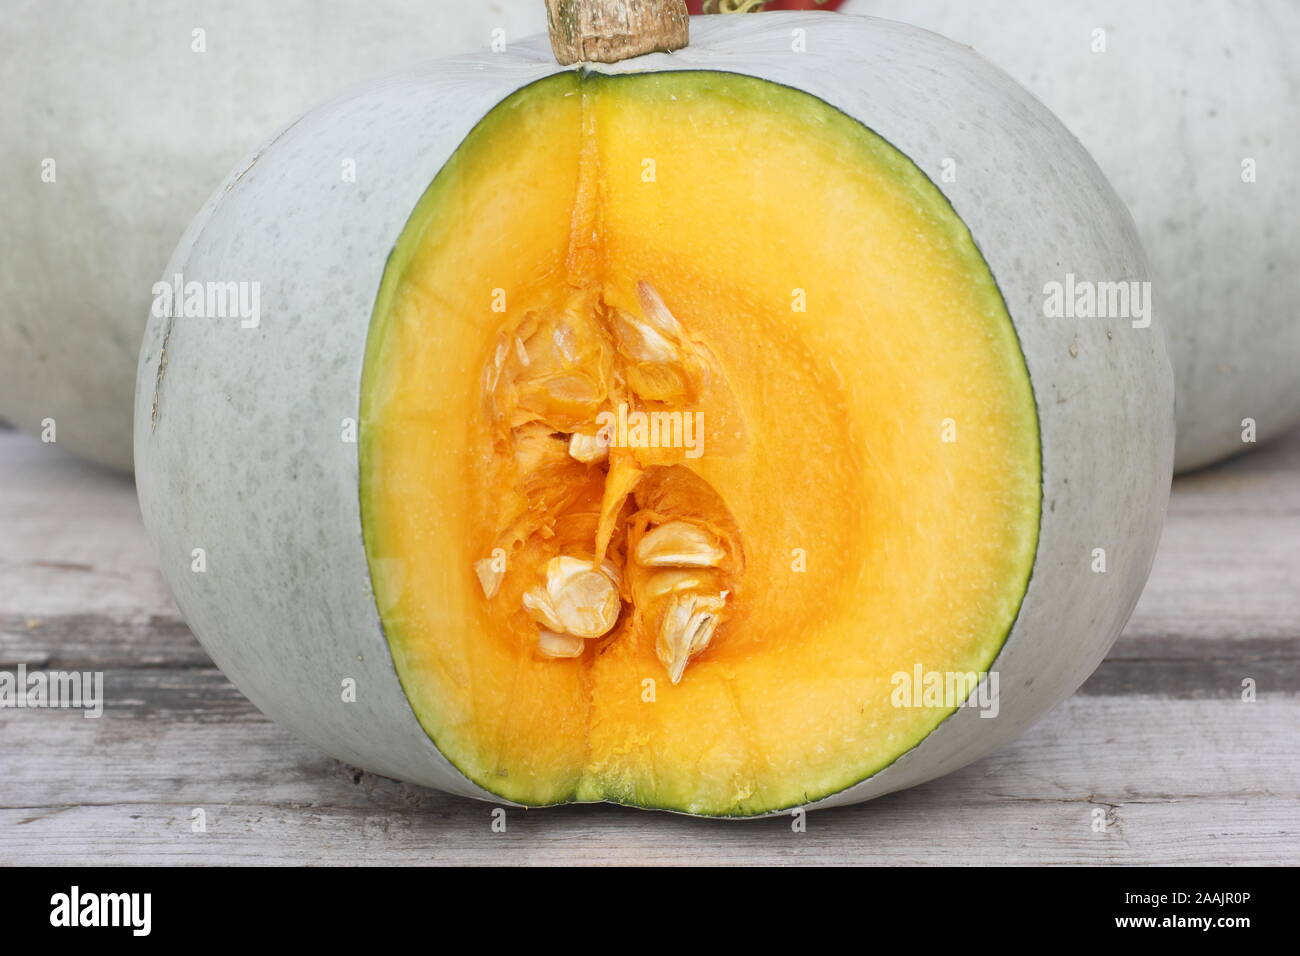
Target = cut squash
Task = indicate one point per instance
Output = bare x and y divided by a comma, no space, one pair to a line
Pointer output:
671,247
675,432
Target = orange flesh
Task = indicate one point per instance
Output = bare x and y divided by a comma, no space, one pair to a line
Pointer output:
851,326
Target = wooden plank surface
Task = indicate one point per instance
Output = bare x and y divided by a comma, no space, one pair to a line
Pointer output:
1157,759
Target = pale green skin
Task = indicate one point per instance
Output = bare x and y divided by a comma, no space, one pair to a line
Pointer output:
238,446
1185,90
141,129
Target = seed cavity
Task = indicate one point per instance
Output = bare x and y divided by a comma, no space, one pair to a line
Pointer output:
600,526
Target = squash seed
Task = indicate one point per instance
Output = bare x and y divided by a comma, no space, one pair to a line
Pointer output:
687,627
656,311
658,382
641,341
553,645
673,580
679,544
489,578
587,448
538,605
584,599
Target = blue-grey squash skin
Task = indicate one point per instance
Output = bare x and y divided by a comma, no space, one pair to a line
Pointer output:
238,446
141,126
1184,93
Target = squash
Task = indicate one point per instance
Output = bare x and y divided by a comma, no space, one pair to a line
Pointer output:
573,460
120,119
1190,108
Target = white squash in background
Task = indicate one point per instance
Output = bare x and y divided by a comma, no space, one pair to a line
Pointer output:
237,443
1192,108
119,119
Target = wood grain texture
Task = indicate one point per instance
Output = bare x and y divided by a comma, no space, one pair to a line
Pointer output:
1158,746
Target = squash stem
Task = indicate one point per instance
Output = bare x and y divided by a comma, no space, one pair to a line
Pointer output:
606,31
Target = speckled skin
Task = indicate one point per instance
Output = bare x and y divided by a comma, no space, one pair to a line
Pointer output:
141,129
1185,91
246,460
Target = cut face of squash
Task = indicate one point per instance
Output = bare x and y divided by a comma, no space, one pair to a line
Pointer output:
691,417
